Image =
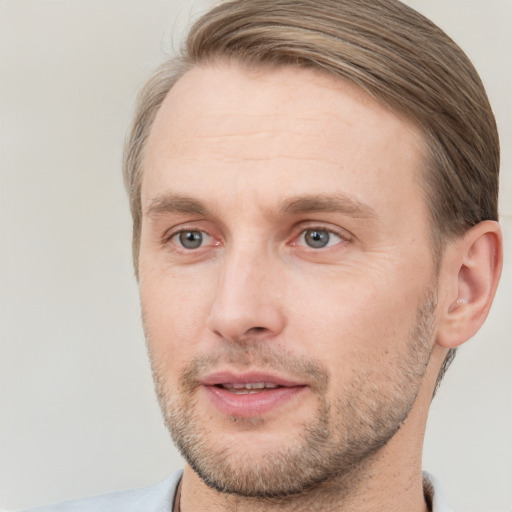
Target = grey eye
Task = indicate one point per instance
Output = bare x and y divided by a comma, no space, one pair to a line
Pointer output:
191,239
317,238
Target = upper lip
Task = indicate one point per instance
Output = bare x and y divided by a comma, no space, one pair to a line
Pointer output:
230,377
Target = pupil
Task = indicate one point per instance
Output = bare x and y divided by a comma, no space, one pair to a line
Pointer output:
191,239
316,239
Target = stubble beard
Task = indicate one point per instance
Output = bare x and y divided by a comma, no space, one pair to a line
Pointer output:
335,446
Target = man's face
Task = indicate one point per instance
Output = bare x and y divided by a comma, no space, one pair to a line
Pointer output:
286,277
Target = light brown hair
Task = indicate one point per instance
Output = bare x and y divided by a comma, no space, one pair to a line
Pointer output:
395,54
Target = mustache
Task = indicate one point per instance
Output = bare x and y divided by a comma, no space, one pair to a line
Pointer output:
256,355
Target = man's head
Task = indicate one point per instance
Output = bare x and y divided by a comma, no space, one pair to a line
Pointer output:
309,185
396,55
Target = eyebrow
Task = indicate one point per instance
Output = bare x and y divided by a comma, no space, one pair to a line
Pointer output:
339,203
172,203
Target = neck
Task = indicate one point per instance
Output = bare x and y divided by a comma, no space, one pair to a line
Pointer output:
368,496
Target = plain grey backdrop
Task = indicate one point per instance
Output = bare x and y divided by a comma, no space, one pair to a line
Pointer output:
77,411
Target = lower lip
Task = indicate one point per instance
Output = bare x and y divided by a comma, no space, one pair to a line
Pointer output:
251,405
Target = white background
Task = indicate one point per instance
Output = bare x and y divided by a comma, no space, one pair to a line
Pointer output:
77,411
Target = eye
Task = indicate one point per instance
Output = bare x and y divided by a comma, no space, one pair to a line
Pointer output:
319,238
191,239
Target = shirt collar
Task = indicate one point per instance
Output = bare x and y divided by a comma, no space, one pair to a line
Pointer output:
434,494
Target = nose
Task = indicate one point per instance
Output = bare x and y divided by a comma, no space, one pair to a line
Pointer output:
248,301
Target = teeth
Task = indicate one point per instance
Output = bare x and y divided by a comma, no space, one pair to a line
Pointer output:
249,387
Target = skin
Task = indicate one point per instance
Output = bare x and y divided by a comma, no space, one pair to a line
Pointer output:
247,159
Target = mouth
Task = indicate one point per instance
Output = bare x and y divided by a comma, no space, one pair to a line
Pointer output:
250,395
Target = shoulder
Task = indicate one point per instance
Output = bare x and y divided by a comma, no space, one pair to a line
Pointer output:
157,498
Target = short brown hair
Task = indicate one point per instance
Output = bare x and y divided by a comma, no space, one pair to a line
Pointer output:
383,46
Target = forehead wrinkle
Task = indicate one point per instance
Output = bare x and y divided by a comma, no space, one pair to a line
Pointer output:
247,133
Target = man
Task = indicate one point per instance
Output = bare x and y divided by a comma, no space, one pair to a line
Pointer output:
314,193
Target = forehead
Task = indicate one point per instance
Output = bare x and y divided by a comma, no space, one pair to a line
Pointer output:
250,98
224,128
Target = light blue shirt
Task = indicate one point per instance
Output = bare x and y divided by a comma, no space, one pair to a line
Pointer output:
157,498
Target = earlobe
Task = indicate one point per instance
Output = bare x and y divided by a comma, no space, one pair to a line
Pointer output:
476,263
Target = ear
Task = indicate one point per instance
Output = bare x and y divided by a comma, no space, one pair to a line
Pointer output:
472,272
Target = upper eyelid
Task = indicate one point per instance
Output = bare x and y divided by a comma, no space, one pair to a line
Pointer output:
330,231
171,232
320,226
176,233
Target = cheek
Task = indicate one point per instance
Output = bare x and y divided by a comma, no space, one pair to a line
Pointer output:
351,323
174,314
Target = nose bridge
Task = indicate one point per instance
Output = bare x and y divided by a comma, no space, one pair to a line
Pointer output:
246,301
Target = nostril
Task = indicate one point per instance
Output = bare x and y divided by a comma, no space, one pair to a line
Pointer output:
255,330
